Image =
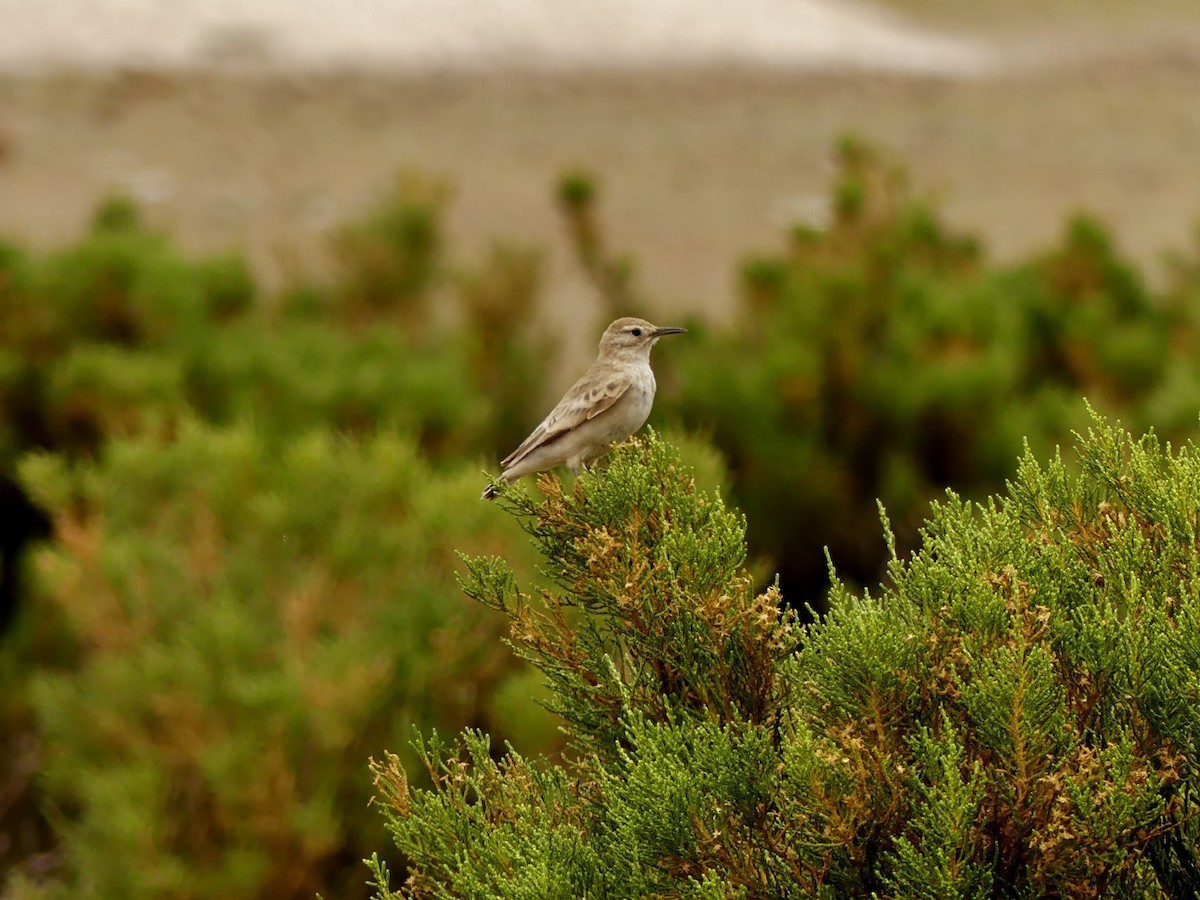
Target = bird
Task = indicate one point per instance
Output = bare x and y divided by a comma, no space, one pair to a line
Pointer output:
607,404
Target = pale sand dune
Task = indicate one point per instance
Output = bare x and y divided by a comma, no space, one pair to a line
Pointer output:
472,34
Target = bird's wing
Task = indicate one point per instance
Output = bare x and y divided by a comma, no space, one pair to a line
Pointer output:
589,396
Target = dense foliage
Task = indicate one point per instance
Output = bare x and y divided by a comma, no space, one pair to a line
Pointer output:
1018,714
248,507
250,588
882,356
247,625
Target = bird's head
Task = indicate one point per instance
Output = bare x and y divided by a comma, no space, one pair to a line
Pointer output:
633,337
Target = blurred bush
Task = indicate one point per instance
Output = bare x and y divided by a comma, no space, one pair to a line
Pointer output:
251,585
122,334
882,358
610,273
392,260
245,625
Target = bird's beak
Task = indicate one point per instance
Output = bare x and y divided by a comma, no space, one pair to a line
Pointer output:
668,329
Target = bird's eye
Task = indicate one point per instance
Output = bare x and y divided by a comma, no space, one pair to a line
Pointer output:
636,332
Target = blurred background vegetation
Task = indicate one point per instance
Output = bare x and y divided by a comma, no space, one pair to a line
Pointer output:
244,423
249,505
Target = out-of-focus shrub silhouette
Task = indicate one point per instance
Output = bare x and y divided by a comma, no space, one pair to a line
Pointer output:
882,358
392,259
220,471
613,275
508,360
94,330
121,333
248,624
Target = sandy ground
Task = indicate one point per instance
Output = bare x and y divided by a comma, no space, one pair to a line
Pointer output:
701,163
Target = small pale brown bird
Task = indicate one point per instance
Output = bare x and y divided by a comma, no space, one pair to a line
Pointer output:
609,403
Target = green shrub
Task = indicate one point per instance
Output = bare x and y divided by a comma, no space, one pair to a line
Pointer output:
248,623
110,352
304,373
883,358
121,334
96,332
392,260
1016,715
122,285
612,275
508,359
227,285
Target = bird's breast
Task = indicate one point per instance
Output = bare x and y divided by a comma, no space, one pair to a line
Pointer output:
641,396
